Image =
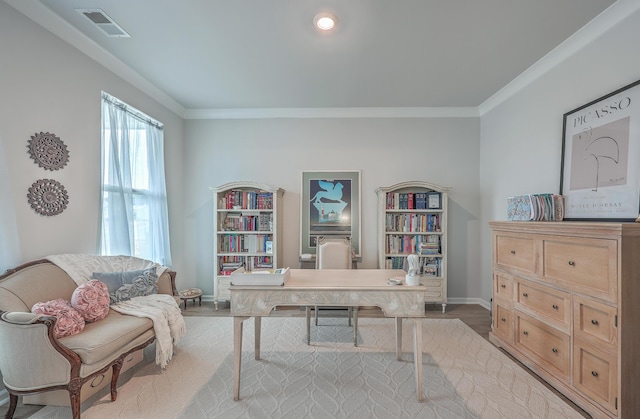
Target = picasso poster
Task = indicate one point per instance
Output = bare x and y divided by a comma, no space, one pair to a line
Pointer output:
600,168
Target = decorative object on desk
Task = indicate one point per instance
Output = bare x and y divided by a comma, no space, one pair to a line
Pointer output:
48,151
277,277
412,277
535,207
330,207
48,197
395,281
600,172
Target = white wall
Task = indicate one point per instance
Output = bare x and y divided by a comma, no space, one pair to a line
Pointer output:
47,85
522,138
443,151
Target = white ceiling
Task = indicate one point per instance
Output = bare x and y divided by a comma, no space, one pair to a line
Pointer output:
261,54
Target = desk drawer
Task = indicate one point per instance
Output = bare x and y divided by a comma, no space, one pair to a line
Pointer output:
515,252
584,265
546,302
547,346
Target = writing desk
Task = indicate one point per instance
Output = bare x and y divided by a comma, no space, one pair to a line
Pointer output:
330,287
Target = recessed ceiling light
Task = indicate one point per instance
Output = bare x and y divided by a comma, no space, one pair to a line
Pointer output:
325,21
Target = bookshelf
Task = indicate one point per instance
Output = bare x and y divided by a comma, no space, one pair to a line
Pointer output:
412,219
247,222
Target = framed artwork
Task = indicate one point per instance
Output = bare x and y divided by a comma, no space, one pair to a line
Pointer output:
600,168
330,207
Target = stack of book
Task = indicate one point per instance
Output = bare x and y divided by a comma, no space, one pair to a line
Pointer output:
535,207
431,246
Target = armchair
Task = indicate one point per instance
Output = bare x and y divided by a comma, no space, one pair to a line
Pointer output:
334,254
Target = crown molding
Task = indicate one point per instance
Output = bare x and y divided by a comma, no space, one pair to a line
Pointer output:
265,113
606,20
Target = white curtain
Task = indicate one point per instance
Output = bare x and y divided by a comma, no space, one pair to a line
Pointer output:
9,240
134,212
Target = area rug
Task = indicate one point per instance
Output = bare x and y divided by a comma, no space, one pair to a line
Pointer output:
464,376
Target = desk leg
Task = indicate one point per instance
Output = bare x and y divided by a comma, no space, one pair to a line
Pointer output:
308,315
417,354
257,332
399,338
355,326
237,354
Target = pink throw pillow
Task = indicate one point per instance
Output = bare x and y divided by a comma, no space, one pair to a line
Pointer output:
91,299
68,320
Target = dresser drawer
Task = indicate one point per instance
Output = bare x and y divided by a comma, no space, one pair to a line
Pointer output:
584,265
503,320
551,304
515,252
503,286
595,322
595,374
547,346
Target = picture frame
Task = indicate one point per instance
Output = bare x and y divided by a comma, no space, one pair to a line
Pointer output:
600,166
330,206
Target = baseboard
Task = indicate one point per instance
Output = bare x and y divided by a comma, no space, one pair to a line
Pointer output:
478,301
4,397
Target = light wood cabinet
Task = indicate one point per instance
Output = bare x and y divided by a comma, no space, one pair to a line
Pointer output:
247,222
412,219
566,304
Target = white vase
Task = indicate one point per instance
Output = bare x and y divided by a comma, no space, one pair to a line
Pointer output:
412,280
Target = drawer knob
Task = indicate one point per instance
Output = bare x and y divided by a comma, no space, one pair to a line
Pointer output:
594,322
555,306
513,252
524,294
525,333
554,350
503,319
572,263
503,286
594,373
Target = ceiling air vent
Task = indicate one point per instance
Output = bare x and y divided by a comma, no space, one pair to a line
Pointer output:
104,22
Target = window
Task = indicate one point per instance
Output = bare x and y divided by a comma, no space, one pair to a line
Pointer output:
134,216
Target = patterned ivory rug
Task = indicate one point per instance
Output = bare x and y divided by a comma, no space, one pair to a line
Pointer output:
464,376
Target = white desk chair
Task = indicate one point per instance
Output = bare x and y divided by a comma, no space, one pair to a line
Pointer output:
334,254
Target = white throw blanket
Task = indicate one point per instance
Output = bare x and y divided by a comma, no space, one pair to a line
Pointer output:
168,322
162,309
80,267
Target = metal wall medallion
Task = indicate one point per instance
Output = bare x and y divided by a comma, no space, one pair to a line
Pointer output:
48,151
48,197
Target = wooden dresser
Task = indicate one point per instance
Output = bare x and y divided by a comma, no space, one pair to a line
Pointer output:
566,303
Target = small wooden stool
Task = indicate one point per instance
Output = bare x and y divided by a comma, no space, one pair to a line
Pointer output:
191,294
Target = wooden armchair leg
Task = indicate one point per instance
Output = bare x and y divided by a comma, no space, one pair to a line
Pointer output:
74,399
114,378
13,403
